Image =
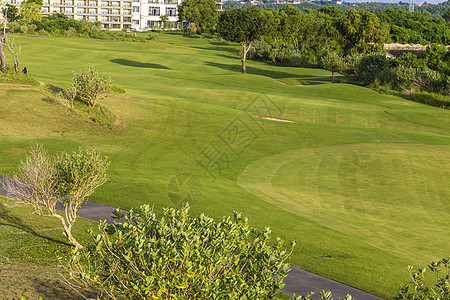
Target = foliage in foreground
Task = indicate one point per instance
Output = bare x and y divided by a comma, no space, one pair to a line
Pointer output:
434,287
175,256
323,296
43,180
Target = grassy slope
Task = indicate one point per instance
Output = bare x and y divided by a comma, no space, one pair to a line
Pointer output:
29,252
359,178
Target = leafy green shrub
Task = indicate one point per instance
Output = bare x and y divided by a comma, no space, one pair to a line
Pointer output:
91,86
174,256
323,296
405,77
371,67
333,62
152,36
67,96
351,62
298,60
428,98
432,81
117,89
434,287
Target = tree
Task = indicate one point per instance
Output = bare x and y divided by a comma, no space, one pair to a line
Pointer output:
15,49
67,96
333,62
163,20
3,63
91,86
43,180
362,32
243,26
201,12
11,13
175,256
30,11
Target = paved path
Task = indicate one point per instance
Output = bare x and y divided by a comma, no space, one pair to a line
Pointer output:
299,281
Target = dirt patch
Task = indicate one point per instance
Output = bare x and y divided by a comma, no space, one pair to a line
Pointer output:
24,89
17,151
119,124
441,155
13,83
272,119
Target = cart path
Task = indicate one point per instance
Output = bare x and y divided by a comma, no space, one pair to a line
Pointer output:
298,281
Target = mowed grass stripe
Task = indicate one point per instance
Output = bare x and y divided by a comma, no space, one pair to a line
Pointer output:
182,93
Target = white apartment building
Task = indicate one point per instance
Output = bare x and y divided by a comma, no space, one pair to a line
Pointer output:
114,14
147,13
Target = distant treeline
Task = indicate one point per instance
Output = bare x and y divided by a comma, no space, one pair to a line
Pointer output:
436,10
427,25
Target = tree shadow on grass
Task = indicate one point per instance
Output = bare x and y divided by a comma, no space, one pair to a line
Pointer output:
303,79
58,289
9,220
53,88
138,64
220,47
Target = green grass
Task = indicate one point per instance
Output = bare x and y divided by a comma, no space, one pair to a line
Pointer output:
30,253
361,177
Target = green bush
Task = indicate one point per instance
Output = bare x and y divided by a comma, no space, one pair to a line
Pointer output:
117,89
351,62
432,81
371,67
174,256
434,287
405,77
91,86
431,99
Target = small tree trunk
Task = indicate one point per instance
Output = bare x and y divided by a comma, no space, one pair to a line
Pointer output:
332,76
3,65
244,57
68,234
68,231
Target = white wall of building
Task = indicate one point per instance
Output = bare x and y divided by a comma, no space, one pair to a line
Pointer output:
147,13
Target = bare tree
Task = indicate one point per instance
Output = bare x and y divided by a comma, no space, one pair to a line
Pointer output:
3,64
43,180
67,96
14,48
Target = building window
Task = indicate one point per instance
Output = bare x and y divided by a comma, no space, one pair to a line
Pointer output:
153,11
171,11
135,8
135,22
150,24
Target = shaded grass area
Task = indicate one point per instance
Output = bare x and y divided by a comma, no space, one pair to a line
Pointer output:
31,247
198,102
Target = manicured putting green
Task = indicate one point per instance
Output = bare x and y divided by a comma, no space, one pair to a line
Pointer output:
390,196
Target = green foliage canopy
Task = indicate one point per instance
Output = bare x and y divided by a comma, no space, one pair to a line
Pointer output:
201,12
174,256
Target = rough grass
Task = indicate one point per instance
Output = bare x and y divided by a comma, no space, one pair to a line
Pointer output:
30,253
357,178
